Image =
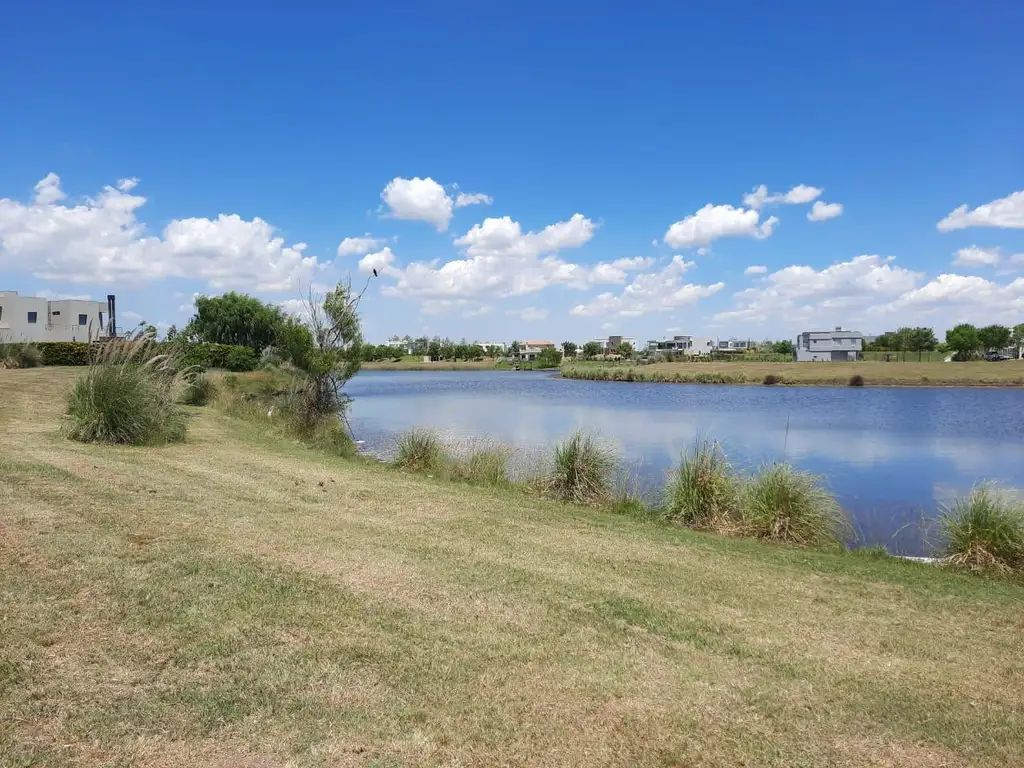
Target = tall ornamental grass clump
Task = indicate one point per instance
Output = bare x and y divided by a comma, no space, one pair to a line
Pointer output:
420,450
582,470
19,355
129,396
782,503
704,490
200,390
984,531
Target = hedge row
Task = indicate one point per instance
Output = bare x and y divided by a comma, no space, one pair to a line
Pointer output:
224,356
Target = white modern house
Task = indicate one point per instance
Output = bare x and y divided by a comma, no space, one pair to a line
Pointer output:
732,345
33,319
609,345
683,345
528,350
834,346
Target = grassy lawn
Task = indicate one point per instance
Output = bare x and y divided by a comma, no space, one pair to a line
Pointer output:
1009,373
242,601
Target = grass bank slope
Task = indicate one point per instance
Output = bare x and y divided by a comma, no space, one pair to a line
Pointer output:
235,600
1009,373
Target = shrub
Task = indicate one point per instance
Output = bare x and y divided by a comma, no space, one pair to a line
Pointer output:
420,451
200,390
129,396
240,359
857,381
64,352
582,471
703,491
771,379
488,466
20,355
984,531
270,358
786,504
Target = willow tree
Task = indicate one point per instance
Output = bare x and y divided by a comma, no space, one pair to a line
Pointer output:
325,347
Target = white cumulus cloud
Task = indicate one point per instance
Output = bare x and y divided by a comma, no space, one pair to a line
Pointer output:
1006,213
800,293
650,292
101,241
974,256
755,269
474,198
714,221
824,211
798,195
418,199
501,260
357,246
380,260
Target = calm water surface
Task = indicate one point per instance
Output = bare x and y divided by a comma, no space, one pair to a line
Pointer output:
892,456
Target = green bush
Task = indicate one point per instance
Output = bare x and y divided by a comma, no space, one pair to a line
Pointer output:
984,531
487,466
704,490
240,359
222,356
857,380
786,504
582,471
420,451
64,352
128,396
199,391
771,379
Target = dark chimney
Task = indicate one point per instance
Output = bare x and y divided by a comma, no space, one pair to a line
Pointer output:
111,316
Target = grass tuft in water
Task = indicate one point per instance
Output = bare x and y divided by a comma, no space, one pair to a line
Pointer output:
782,503
984,531
420,450
583,470
704,490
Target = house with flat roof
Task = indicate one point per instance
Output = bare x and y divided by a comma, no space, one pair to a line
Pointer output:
528,350
683,344
35,319
833,346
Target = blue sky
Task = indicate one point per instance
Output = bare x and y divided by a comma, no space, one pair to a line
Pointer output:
251,130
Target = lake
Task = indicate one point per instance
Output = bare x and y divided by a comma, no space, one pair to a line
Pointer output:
891,456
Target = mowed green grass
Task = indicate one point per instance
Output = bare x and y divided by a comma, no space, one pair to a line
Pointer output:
1009,373
242,601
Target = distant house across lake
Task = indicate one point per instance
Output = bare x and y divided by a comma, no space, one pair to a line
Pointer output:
834,346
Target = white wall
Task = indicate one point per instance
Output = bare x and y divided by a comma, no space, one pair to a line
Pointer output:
54,320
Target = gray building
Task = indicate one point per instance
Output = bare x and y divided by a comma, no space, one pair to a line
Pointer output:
683,345
834,346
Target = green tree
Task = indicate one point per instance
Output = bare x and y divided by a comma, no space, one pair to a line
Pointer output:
591,350
172,333
784,347
569,348
513,348
994,337
624,349
326,349
235,318
548,358
922,340
963,339
434,349
1017,338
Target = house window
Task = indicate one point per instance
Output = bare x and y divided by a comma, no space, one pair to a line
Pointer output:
32,317
83,319
56,313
